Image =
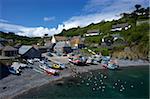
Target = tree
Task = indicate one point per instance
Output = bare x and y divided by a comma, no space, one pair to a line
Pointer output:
45,35
137,6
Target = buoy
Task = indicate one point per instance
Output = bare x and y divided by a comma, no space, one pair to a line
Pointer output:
105,77
82,81
95,78
121,85
87,84
103,86
102,89
93,88
131,86
116,84
121,90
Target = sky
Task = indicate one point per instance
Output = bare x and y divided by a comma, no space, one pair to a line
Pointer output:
38,17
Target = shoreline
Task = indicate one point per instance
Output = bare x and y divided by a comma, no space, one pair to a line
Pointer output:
70,71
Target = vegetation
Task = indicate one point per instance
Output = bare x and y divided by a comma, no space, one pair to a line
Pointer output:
137,37
19,39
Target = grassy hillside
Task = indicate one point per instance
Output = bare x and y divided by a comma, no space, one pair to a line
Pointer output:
19,39
137,37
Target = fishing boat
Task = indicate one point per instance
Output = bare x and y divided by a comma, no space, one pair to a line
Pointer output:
58,65
51,71
109,64
91,60
48,70
77,60
15,68
14,71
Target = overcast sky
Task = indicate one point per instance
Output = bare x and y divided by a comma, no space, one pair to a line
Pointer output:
39,17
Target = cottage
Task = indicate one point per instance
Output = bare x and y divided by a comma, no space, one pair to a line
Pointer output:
119,27
77,42
92,33
62,47
29,52
56,39
8,51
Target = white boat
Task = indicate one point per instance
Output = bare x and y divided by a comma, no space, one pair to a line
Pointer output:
15,68
51,71
13,71
30,61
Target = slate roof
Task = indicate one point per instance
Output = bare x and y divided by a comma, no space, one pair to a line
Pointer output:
62,44
123,25
92,31
23,49
9,48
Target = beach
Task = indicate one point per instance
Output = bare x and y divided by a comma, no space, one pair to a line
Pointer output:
13,85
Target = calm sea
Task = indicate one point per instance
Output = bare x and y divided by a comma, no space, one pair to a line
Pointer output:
127,83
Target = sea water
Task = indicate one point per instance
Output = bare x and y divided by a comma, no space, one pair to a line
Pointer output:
130,82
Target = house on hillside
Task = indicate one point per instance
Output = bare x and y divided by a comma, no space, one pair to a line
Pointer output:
77,42
29,52
119,27
62,47
8,51
56,39
113,40
92,33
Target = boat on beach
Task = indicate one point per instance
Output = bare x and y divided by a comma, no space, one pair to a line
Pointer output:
16,67
108,63
49,70
78,60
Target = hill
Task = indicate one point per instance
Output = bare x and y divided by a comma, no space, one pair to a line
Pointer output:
19,39
137,37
